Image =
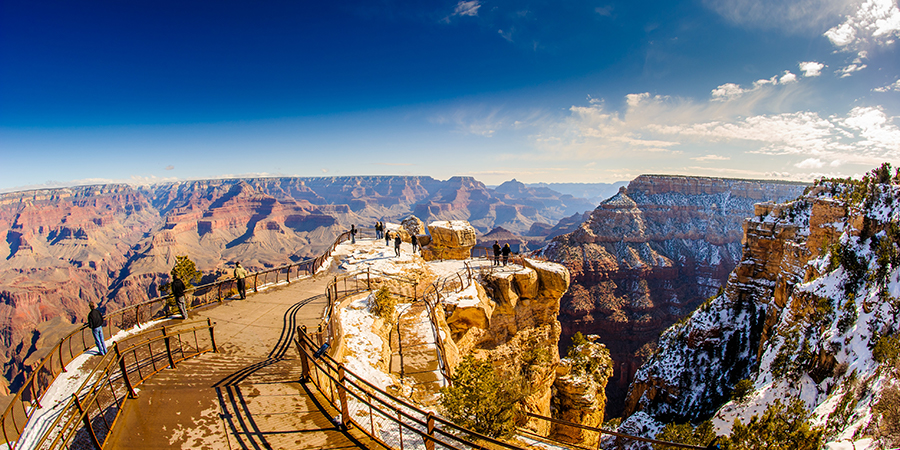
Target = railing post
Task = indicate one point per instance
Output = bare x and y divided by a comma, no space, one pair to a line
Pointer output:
131,393
212,335
429,444
342,394
219,292
169,348
34,396
61,364
368,279
304,358
87,423
256,282
400,348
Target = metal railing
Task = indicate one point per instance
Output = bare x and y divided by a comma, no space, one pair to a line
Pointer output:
27,398
391,421
86,420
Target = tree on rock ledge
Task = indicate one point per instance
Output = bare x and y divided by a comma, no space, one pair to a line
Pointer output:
186,270
481,401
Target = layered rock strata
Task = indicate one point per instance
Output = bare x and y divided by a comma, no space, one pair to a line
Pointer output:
648,256
801,316
114,244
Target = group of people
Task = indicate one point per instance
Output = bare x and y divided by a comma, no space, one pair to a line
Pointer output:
381,231
505,251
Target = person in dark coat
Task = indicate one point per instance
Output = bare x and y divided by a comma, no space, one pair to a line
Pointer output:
95,323
387,238
178,289
415,243
496,253
506,250
352,234
397,242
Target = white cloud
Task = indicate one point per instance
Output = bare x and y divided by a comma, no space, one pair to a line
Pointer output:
730,132
506,35
811,68
810,163
875,22
788,77
891,87
711,158
850,70
467,8
727,91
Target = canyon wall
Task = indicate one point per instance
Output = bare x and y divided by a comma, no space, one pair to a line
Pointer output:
648,256
810,312
114,244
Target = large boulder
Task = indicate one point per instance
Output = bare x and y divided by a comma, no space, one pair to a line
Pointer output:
452,239
452,234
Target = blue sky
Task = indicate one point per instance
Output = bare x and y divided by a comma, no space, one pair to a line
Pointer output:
540,91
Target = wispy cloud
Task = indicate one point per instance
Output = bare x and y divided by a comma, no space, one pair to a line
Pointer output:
605,11
797,16
895,86
465,8
738,123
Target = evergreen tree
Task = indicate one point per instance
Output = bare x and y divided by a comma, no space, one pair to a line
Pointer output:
481,401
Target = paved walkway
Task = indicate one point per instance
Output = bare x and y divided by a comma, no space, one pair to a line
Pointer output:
246,396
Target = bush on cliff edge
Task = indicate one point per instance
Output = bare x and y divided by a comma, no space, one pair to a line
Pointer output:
480,400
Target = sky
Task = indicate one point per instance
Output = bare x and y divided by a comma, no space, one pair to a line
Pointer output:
145,92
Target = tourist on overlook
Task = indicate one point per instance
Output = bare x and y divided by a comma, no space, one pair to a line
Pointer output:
505,252
496,253
95,323
352,234
178,292
387,238
415,243
240,274
379,230
397,242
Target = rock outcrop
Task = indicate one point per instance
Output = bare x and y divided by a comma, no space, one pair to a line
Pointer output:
449,240
648,256
580,387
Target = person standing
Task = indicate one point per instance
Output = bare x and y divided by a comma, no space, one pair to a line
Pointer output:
505,252
379,230
415,243
387,238
352,234
95,323
496,253
397,242
240,274
178,292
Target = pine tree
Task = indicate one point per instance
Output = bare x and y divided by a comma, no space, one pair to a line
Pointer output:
481,401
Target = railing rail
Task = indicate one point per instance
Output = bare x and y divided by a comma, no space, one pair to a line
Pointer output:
27,398
86,420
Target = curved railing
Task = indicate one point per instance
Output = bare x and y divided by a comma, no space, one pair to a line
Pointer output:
87,418
27,398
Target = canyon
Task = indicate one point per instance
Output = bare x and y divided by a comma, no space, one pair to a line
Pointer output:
115,244
811,312
650,255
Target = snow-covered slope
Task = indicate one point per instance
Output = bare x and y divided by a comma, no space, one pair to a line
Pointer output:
810,312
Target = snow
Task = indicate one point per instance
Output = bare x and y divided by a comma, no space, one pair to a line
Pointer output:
364,347
466,298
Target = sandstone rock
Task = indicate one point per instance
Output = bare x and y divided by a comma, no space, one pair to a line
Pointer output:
580,385
449,240
651,254
413,226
